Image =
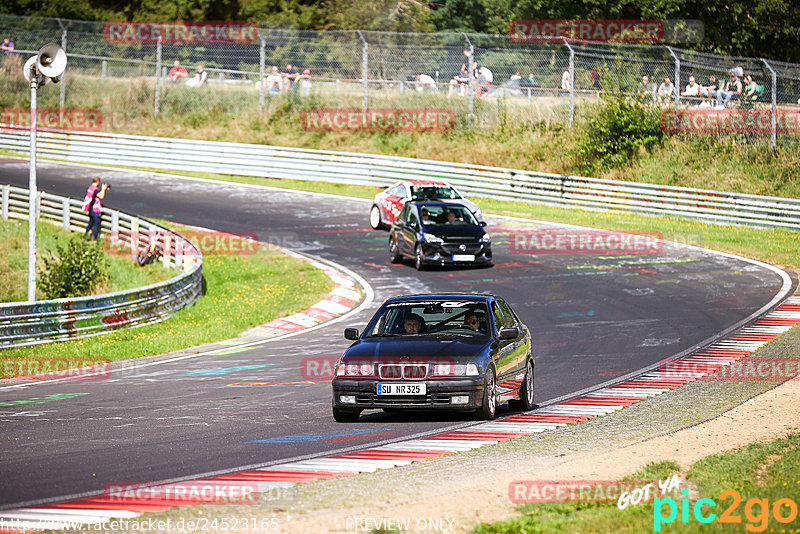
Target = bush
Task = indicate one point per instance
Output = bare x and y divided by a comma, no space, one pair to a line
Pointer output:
615,131
77,269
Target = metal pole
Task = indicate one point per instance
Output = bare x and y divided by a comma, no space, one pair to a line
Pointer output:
571,82
470,88
32,194
774,125
262,57
677,83
158,77
364,70
63,96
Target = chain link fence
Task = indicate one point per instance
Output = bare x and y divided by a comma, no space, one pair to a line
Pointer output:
484,79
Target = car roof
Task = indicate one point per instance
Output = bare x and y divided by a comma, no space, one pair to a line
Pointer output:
477,297
419,183
449,202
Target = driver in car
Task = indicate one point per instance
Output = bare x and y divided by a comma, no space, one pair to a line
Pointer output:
426,217
451,217
413,324
471,322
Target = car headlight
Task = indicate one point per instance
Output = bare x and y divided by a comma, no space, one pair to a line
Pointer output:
471,369
453,369
354,369
486,238
430,238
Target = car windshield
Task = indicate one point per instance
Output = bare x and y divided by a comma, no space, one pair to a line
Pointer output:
433,192
436,214
431,318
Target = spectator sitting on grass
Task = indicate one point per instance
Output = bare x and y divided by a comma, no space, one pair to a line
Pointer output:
460,81
290,76
530,81
425,82
178,72
733,88
8,46
648,89
665,90
692,89
199,78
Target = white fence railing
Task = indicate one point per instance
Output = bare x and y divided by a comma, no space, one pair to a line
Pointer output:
367,169
23,323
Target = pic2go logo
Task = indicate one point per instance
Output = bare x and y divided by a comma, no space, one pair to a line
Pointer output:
756,511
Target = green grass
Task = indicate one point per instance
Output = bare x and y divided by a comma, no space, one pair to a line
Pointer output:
757,471
240,292
123,272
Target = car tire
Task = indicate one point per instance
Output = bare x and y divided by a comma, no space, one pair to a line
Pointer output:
375,218
525,401
394,251
345,416
418,263
488,409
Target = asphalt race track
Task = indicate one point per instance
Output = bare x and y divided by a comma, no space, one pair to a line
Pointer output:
593,318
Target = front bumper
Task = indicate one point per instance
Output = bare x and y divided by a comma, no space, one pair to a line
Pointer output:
438,395
434,254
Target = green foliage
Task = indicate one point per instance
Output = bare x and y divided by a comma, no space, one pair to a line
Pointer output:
78,268
615,131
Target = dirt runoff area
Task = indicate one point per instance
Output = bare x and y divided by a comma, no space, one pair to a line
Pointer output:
457,496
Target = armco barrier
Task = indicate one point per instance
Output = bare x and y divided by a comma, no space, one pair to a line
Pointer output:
366,169
23,323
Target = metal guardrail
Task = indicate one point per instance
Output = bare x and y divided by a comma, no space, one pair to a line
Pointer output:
367,169
23,323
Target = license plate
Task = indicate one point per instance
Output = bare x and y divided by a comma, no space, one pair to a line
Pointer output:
463,257
409,388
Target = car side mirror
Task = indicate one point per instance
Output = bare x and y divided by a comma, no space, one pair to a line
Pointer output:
483,223
351,333
508,333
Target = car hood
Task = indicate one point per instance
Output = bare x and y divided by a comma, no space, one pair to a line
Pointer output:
418,348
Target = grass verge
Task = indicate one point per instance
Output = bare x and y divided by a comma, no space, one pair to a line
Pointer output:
123,272
240,292
760,473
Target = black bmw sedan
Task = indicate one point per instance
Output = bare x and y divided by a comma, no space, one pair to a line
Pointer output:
449,352
439,233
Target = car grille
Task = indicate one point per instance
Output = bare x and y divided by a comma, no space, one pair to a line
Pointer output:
452,248
402,370
430,399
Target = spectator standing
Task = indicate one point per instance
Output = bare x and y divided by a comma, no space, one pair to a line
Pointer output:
665,90
692,88
199,78
178,72
565,80
305,82
11,60
94,207
290,76
595,76
733,88
8,46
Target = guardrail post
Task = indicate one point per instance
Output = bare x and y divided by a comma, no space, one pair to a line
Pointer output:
65,213
115,223
262,54
774,125
677,83
103,70
158,77
4,207
134,237
179,253
63,95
